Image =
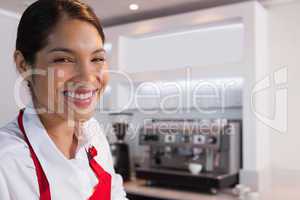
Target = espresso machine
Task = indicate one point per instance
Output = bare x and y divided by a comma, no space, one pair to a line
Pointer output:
174,144
119,148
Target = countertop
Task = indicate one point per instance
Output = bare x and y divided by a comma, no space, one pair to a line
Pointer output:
139,187
278,185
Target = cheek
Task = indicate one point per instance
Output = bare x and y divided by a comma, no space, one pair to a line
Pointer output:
52,85
105,76
40,85
60,78
61,74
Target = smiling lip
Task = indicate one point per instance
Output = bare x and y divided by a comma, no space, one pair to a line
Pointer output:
81,97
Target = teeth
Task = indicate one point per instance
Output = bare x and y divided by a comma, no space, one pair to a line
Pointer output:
70,94
79,96
88,95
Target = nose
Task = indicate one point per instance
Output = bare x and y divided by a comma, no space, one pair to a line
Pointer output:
86,70
89,73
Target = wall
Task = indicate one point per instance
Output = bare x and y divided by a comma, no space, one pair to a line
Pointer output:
8,30
216,44
284,46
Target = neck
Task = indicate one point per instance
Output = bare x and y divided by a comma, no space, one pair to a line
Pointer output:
61,132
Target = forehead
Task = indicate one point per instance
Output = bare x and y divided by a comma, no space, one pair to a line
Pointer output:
75,34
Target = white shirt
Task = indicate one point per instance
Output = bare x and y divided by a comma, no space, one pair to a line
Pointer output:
68,179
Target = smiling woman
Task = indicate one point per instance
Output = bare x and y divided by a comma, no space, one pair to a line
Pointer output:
59,52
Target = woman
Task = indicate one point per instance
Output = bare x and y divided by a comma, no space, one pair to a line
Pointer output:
55,149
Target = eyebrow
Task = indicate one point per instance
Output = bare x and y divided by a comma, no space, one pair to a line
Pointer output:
71,51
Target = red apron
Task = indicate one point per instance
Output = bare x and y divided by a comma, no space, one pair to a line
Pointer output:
101,190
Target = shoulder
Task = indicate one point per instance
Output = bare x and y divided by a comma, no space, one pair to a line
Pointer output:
12,142
16,165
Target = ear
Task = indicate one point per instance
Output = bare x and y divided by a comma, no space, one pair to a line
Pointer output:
21,64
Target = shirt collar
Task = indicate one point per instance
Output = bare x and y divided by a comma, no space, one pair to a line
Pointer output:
84,136
47,152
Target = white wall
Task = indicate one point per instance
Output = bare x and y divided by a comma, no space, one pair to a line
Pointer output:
8,31
216,44
284,35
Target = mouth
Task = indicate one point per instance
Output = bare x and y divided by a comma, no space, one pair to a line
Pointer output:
81,97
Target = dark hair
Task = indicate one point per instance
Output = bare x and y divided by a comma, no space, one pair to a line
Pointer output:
40,18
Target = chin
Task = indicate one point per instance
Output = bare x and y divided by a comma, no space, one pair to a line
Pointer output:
83,117
75,114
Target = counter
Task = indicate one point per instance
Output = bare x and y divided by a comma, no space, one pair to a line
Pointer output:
276,184
137,189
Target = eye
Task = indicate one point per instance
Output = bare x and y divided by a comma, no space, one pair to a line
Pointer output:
63,60
98,60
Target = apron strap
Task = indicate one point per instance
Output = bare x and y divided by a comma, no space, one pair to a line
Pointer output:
102,190
42,179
